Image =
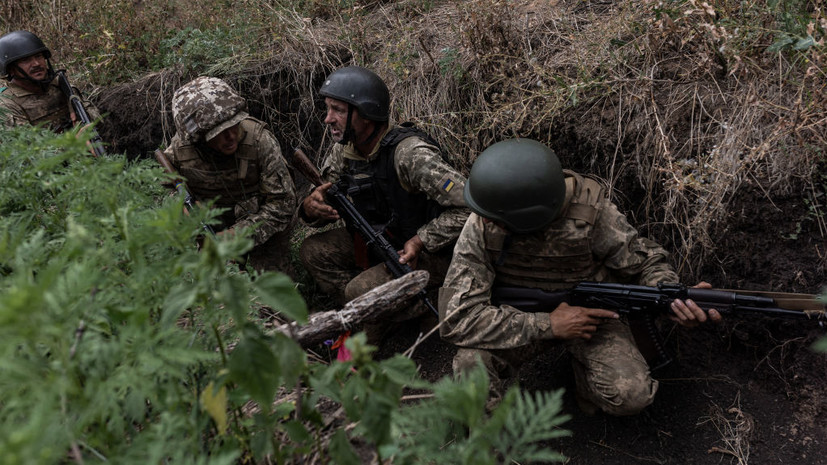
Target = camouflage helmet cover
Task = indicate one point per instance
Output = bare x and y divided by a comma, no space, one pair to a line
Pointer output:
204,107
361,88
518,182
17,45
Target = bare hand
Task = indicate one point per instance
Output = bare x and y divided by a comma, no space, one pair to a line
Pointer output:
689,314
315,207
569,322
410,251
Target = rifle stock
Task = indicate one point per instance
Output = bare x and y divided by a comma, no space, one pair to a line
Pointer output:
641,304
306,167
80,111
348,211
181,187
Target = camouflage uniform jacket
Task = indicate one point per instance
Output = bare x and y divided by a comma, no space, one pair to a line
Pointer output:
419,168
254,183
591,240
50,109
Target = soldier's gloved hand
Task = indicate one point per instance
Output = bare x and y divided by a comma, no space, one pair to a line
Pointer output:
689,314
316,208
410,252
568,322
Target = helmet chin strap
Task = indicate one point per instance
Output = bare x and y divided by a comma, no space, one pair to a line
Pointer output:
349,135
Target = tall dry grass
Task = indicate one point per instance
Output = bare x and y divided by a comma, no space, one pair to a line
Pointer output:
680,105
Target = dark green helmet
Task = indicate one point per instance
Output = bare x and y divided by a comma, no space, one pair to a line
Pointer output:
361,88
17,45
518,182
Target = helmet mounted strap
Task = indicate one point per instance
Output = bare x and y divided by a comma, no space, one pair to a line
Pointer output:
348,134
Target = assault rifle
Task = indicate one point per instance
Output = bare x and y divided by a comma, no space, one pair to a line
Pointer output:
374,239
181,187
641,304
80,111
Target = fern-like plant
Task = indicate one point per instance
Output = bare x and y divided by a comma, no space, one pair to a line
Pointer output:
124,343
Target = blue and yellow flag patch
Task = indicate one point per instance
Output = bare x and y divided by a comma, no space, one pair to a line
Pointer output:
448,185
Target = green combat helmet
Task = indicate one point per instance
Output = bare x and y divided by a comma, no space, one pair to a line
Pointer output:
17,45
361,88
518,182
204,107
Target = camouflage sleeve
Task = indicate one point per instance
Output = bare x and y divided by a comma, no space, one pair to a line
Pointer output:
421,168
278,195
334,164
467,317
628,254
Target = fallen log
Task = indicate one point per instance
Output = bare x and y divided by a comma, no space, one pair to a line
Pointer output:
382,302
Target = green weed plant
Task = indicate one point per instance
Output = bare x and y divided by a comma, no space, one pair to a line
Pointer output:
123,343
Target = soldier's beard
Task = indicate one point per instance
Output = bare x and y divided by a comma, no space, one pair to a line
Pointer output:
42,83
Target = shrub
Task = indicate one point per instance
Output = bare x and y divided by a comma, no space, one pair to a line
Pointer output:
124,344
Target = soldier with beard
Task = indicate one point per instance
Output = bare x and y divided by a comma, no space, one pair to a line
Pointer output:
33,96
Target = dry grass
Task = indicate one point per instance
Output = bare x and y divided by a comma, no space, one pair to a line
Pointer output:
735,428
685,105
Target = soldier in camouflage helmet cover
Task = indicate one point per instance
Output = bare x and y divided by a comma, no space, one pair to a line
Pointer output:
535,225
405,188
228,156
33,96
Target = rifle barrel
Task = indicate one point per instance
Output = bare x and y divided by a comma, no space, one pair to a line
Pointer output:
80,112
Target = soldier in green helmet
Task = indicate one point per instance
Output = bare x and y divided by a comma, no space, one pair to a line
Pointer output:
33,96
397,179
228,156
536,225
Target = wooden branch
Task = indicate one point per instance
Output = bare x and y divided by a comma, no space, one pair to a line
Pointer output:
378,303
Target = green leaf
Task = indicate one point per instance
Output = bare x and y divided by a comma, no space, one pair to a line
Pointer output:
278,292
178,299
232,292
341,451
804,43
255,368
297,432
292,359
214,400
780,44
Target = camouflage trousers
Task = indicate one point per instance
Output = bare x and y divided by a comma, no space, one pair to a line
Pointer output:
609,371
329,257
273,255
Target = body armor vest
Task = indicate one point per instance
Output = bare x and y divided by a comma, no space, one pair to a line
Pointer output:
375,190
557,256
229,179
50,110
